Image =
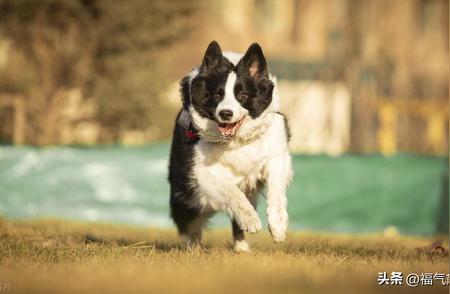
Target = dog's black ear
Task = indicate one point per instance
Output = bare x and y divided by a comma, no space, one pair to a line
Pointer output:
213,55
254,62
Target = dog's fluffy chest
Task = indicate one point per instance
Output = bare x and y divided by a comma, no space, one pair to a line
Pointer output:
241,166
245,161
241,161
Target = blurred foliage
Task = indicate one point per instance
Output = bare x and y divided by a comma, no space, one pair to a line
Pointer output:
112,53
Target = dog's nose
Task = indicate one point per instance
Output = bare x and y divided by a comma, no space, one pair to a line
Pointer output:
226,114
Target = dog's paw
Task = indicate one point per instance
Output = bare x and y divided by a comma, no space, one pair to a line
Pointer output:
241,246
249,222
278,223
278,236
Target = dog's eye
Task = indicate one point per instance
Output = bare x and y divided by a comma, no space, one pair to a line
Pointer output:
242,96
217,96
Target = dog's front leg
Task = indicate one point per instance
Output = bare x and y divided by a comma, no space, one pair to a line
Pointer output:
279,174
233,201
221,193
242,211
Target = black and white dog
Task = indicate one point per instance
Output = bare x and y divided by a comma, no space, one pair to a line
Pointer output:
230,141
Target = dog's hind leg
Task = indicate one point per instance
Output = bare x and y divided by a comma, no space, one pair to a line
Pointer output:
193,232
239,243
189,221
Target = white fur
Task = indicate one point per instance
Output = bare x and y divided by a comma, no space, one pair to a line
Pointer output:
224,169
241,246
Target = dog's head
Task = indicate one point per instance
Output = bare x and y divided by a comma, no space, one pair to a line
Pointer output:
224,94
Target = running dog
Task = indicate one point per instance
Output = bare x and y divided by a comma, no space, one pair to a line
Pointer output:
230,143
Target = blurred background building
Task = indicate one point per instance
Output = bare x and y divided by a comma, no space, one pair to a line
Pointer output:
360,76
355,76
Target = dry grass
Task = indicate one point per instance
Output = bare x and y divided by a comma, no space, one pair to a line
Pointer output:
65,257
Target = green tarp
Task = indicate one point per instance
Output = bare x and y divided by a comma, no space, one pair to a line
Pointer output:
351,193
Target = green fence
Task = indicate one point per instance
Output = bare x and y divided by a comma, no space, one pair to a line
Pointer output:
351,193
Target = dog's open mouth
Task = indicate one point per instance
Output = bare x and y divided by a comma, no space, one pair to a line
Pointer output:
229,130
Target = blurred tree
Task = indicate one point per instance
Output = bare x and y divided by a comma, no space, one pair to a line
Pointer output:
49,53
128,63
113,53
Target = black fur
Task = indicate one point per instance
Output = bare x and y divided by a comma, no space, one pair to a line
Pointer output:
181,184
184,91
257,87
238,233
208,87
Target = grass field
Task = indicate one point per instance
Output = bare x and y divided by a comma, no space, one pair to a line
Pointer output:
66,257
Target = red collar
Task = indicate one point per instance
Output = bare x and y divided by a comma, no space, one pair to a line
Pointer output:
191,135
185,121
